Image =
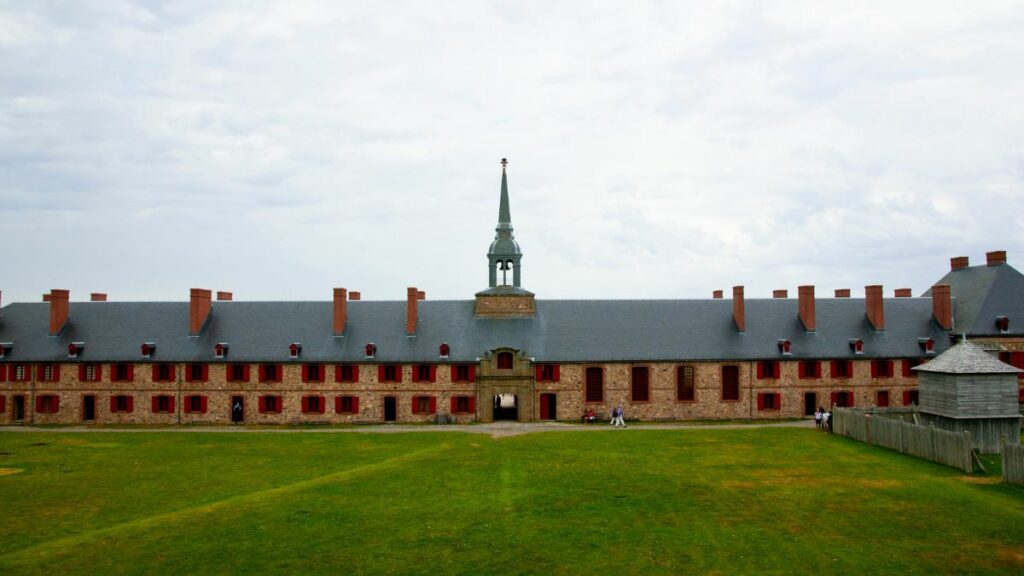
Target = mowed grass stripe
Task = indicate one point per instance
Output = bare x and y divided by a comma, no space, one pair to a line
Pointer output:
239,502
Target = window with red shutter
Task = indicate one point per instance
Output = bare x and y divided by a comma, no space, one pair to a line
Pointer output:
595,384
640,385
346,373
685,388
882,398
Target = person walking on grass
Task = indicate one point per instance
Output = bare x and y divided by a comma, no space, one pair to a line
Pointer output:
817,418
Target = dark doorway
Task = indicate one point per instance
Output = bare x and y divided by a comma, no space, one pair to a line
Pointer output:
19,408
88,408
237,409
548,407
810,403
390,409
506,407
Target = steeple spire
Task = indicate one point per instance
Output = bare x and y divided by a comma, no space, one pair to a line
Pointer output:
504,215
504,254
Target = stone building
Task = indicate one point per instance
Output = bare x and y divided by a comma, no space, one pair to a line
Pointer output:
503,354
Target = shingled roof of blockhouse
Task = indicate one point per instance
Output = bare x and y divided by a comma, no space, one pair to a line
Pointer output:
967,358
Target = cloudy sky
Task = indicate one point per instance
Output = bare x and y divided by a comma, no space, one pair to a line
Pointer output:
656,150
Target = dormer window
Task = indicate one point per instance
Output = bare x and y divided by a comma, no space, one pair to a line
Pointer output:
371,350
444,350
504,360
1003,323
220,350
785,347
857,345
294,350
75,348
5,348
926,344
148,348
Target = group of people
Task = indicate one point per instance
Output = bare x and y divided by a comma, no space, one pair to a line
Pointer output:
823,419
618,417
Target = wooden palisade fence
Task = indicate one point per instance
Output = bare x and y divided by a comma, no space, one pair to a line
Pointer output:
1013,463
941,446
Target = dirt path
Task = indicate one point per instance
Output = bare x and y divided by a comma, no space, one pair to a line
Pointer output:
497,429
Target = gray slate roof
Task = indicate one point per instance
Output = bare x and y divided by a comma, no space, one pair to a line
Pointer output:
981,294
967,358
562,331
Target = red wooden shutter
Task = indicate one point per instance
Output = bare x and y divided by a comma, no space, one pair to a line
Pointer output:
472,404
906,397
557,373
206,372
171,371
833,399
3,404
322,405
246,372
760,370
337,404
874,368
39,403
81,372
380,373
263,404
3,374
202,404
817,369
455,404
227,373
906,369
415,373
40,372
113,403
834,369
355,404
156,403
472,373
778,401
414,404
131,372
398,373
355,372
305,404
760,401
433,404
262,371
539,371
99,372
433,373
305,373
170,404
131,404
156,373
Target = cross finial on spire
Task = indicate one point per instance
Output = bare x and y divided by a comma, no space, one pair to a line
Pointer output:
504,162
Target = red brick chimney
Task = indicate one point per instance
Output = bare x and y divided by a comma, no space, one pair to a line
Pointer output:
874,307
903,292
942,306
737,309
354,295
228,296
806,299
97,297
411,310
717,294
198,310
959,263
842,292
46,297
780,293
996,258
421,295
58,309
340,310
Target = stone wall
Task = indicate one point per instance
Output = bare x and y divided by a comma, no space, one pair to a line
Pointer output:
569,391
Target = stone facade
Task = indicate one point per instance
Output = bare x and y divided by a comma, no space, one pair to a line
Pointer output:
490,379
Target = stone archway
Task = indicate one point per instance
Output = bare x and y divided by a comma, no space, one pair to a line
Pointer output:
516,381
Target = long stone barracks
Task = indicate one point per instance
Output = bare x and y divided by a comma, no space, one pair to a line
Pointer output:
502,355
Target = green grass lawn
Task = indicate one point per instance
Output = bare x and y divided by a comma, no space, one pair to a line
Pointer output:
602,502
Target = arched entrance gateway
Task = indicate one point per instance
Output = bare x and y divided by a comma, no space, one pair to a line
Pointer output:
505,386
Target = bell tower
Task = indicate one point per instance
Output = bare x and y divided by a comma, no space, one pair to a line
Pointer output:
504,296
